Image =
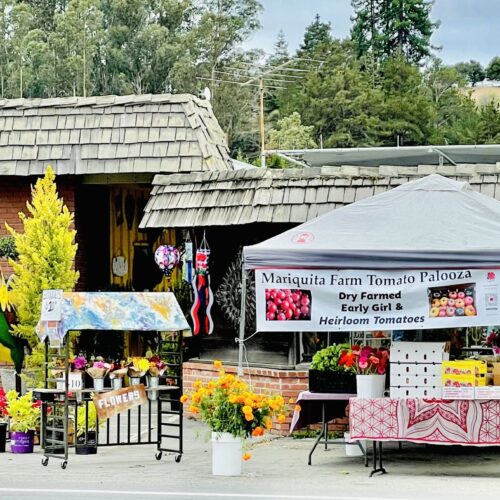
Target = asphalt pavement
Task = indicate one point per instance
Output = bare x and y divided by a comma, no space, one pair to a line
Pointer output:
277,470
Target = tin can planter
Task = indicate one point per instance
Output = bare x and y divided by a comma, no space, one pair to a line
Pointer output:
153,382
134,380
370,386
98,384
86,444
116,383
22,442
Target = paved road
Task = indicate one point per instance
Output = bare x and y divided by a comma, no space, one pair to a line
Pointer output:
278,470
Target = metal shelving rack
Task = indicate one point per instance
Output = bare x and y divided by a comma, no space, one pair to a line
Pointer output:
59,406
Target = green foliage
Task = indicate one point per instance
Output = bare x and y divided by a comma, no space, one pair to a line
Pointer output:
493,69
393,28
290,133
316,37
8,248
472,71
86,416
327,359
46,254
24,414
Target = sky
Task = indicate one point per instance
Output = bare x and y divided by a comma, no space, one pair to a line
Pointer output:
468,30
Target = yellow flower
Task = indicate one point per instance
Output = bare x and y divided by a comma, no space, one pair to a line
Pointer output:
217,364
269,423
281,419
297,408
258,431
291,401
184,398
247,456
247,409
232,399
197,384
196,397
249,417
193,409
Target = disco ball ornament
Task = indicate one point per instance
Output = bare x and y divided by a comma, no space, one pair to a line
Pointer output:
167,258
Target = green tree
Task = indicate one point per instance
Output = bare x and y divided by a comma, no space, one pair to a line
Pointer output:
318,35
393,28
280,53
46,257
472,71
493,69
290,133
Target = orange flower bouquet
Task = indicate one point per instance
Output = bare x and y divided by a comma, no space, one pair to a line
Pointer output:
228,405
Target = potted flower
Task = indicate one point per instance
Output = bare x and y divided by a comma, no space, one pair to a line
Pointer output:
3,420
98,371
370,366
117,372
155,371
233,412
86,429
327,374
24,417
137,368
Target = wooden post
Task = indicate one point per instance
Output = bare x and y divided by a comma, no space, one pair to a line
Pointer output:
241,338
261,125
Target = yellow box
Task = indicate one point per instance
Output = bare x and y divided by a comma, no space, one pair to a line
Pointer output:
496,373
465,367
464,380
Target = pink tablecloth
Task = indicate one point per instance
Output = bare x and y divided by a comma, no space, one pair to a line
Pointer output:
474,422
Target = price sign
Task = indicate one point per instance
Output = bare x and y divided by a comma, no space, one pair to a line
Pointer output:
51,305
75,381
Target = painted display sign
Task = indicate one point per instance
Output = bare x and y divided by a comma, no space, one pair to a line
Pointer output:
365,300
108,404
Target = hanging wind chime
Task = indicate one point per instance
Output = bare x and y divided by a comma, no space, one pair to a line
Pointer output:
203,296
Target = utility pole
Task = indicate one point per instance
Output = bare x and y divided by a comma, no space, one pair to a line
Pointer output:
261,125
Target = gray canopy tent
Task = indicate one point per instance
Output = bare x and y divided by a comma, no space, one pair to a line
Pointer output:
433,222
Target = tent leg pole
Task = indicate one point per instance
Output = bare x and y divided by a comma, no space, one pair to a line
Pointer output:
242,319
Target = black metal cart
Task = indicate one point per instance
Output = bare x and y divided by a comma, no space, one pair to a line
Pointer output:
158,421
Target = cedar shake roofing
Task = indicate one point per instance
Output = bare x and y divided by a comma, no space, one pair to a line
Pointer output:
288,195
110,135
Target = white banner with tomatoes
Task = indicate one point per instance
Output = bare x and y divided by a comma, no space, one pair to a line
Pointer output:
364,300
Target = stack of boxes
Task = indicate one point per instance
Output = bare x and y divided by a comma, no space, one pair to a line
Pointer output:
461,379
416,368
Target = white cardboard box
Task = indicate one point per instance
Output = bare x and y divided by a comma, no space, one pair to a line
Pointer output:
419,352
488,392
458,392
401,379
428,369
416,392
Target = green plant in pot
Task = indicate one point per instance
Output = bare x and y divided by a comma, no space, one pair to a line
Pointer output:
24,414
86,429
327,375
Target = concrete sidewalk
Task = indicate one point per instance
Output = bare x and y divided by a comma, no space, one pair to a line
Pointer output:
277,470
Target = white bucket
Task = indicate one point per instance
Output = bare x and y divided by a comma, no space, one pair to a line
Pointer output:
117,383
226,454
98,384
153,382
353,450
370,386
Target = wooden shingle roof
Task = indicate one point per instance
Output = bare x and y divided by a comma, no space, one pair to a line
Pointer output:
110,135
288,195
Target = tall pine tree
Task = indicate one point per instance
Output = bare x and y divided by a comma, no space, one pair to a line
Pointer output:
393,28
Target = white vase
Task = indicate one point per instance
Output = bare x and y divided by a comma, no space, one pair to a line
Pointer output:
153,382
117,383
134,381
226,454
370,386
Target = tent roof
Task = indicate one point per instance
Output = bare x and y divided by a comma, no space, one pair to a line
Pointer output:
427,223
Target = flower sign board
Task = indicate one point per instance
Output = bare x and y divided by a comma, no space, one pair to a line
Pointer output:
367,300
110,403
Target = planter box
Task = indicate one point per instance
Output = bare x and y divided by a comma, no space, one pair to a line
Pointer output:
336,382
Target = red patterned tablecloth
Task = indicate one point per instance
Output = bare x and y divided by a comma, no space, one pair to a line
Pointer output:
471,422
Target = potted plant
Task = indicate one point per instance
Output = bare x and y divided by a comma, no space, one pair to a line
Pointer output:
3,420
137,368
86,429
370,366
156,369
117,372
327,374
98,371
233,412
24,416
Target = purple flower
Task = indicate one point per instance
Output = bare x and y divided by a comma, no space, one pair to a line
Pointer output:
80,363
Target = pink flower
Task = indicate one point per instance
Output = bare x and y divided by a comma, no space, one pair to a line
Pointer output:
363,363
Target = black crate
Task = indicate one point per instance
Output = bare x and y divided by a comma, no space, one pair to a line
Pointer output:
336,382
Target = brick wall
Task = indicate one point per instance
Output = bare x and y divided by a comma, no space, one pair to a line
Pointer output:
288,383
14,193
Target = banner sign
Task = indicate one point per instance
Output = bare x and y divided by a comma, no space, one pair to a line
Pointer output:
108,404
291,300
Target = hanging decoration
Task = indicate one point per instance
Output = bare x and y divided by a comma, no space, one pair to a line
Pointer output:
187,262
167,258
203,296
119,265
